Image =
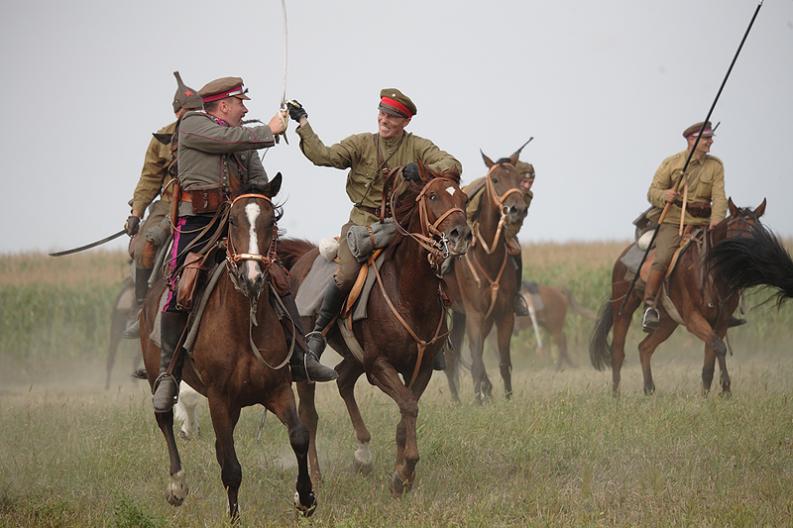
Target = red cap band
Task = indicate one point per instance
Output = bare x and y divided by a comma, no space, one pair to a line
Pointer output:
237,90
393,103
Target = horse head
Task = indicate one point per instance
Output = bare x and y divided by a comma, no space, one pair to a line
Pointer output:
253,228
506,188
739,222
435,207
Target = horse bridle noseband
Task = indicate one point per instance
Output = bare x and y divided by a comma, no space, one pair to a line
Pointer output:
498,201
234,258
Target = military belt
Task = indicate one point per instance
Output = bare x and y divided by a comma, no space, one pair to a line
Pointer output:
696,209
204,200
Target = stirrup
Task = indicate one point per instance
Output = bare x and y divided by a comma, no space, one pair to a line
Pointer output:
519,306
650,319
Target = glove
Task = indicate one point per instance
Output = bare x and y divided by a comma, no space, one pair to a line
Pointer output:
131,225
296,110
410,172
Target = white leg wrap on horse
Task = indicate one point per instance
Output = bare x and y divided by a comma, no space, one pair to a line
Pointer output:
363,455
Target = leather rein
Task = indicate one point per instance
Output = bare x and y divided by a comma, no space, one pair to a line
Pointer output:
233,260
437,251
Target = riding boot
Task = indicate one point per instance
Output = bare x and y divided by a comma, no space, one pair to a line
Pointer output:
132,330
332,301
519,305
651,316
166,386
305,365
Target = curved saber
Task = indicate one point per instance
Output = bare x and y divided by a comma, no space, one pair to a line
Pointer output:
87,246
284,111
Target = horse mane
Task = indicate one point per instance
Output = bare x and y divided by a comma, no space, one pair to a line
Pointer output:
291,249
405,205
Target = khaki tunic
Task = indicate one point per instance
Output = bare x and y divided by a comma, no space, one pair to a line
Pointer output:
365,179
359,154
705,184
154,177
212,155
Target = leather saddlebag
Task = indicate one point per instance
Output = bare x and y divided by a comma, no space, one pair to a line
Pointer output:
188,280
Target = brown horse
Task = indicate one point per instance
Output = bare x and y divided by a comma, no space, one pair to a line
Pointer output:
483,286
406,321
552,317
240,352
703,303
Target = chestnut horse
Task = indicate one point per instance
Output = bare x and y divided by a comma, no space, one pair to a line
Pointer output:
483,286
406,319
704,304
223,366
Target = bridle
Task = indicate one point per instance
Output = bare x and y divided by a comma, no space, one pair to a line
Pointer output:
431,239
233,260
498,201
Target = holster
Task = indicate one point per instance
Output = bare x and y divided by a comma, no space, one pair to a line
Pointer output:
189,279
204,200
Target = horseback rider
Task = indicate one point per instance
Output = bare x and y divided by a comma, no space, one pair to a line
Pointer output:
370,157
156,178
705,205
475,190
216,157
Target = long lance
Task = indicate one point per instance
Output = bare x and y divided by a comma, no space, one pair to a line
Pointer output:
688,159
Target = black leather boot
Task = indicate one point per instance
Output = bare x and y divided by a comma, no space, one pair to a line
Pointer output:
651,316
519,305
305,366
332,301
166,386
132,330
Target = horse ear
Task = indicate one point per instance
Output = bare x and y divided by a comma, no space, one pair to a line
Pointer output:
422,171
733,209
488,162
760,209
273,186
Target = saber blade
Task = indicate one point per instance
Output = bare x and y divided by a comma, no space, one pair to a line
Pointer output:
87,246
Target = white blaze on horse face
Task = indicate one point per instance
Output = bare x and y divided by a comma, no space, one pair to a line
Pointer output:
450,190
252,211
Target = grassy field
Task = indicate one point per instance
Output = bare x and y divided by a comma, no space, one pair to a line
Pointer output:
562,452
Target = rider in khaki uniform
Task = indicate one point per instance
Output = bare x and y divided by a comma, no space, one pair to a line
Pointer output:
475,191
216,157
159,171
706,205
369,157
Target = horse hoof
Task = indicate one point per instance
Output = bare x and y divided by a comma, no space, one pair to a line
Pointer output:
177,489
306,509
399,486
362,461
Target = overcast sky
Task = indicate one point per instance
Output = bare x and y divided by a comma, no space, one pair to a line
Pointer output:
605,87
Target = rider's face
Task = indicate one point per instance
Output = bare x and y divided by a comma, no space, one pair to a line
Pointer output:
704,143
234,110
390,126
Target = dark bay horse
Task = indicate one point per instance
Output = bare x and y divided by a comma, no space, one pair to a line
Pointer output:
483,284
703,303
223,365
406,322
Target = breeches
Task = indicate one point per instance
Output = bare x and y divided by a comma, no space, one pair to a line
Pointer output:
187,230
152,235
666,242
347,266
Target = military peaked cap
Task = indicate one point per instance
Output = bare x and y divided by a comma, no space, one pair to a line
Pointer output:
185,97
395,103
693,129
222,88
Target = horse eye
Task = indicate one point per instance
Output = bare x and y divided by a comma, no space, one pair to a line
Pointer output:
495,179
433,196
232,222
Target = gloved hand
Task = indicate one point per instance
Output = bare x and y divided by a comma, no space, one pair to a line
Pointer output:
132,225
410,172
296,110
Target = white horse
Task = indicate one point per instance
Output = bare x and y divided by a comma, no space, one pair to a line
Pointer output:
186,411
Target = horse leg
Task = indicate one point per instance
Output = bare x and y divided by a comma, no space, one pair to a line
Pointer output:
349,372
282,403
224,419
117,324
504,329
721,355
453,355
648,346
186,411
385,376
699,326
177,487
476,335
307,411
619,332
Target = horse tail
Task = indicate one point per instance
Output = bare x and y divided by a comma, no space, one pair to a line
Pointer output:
291,249
577,308
759,259
599,346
